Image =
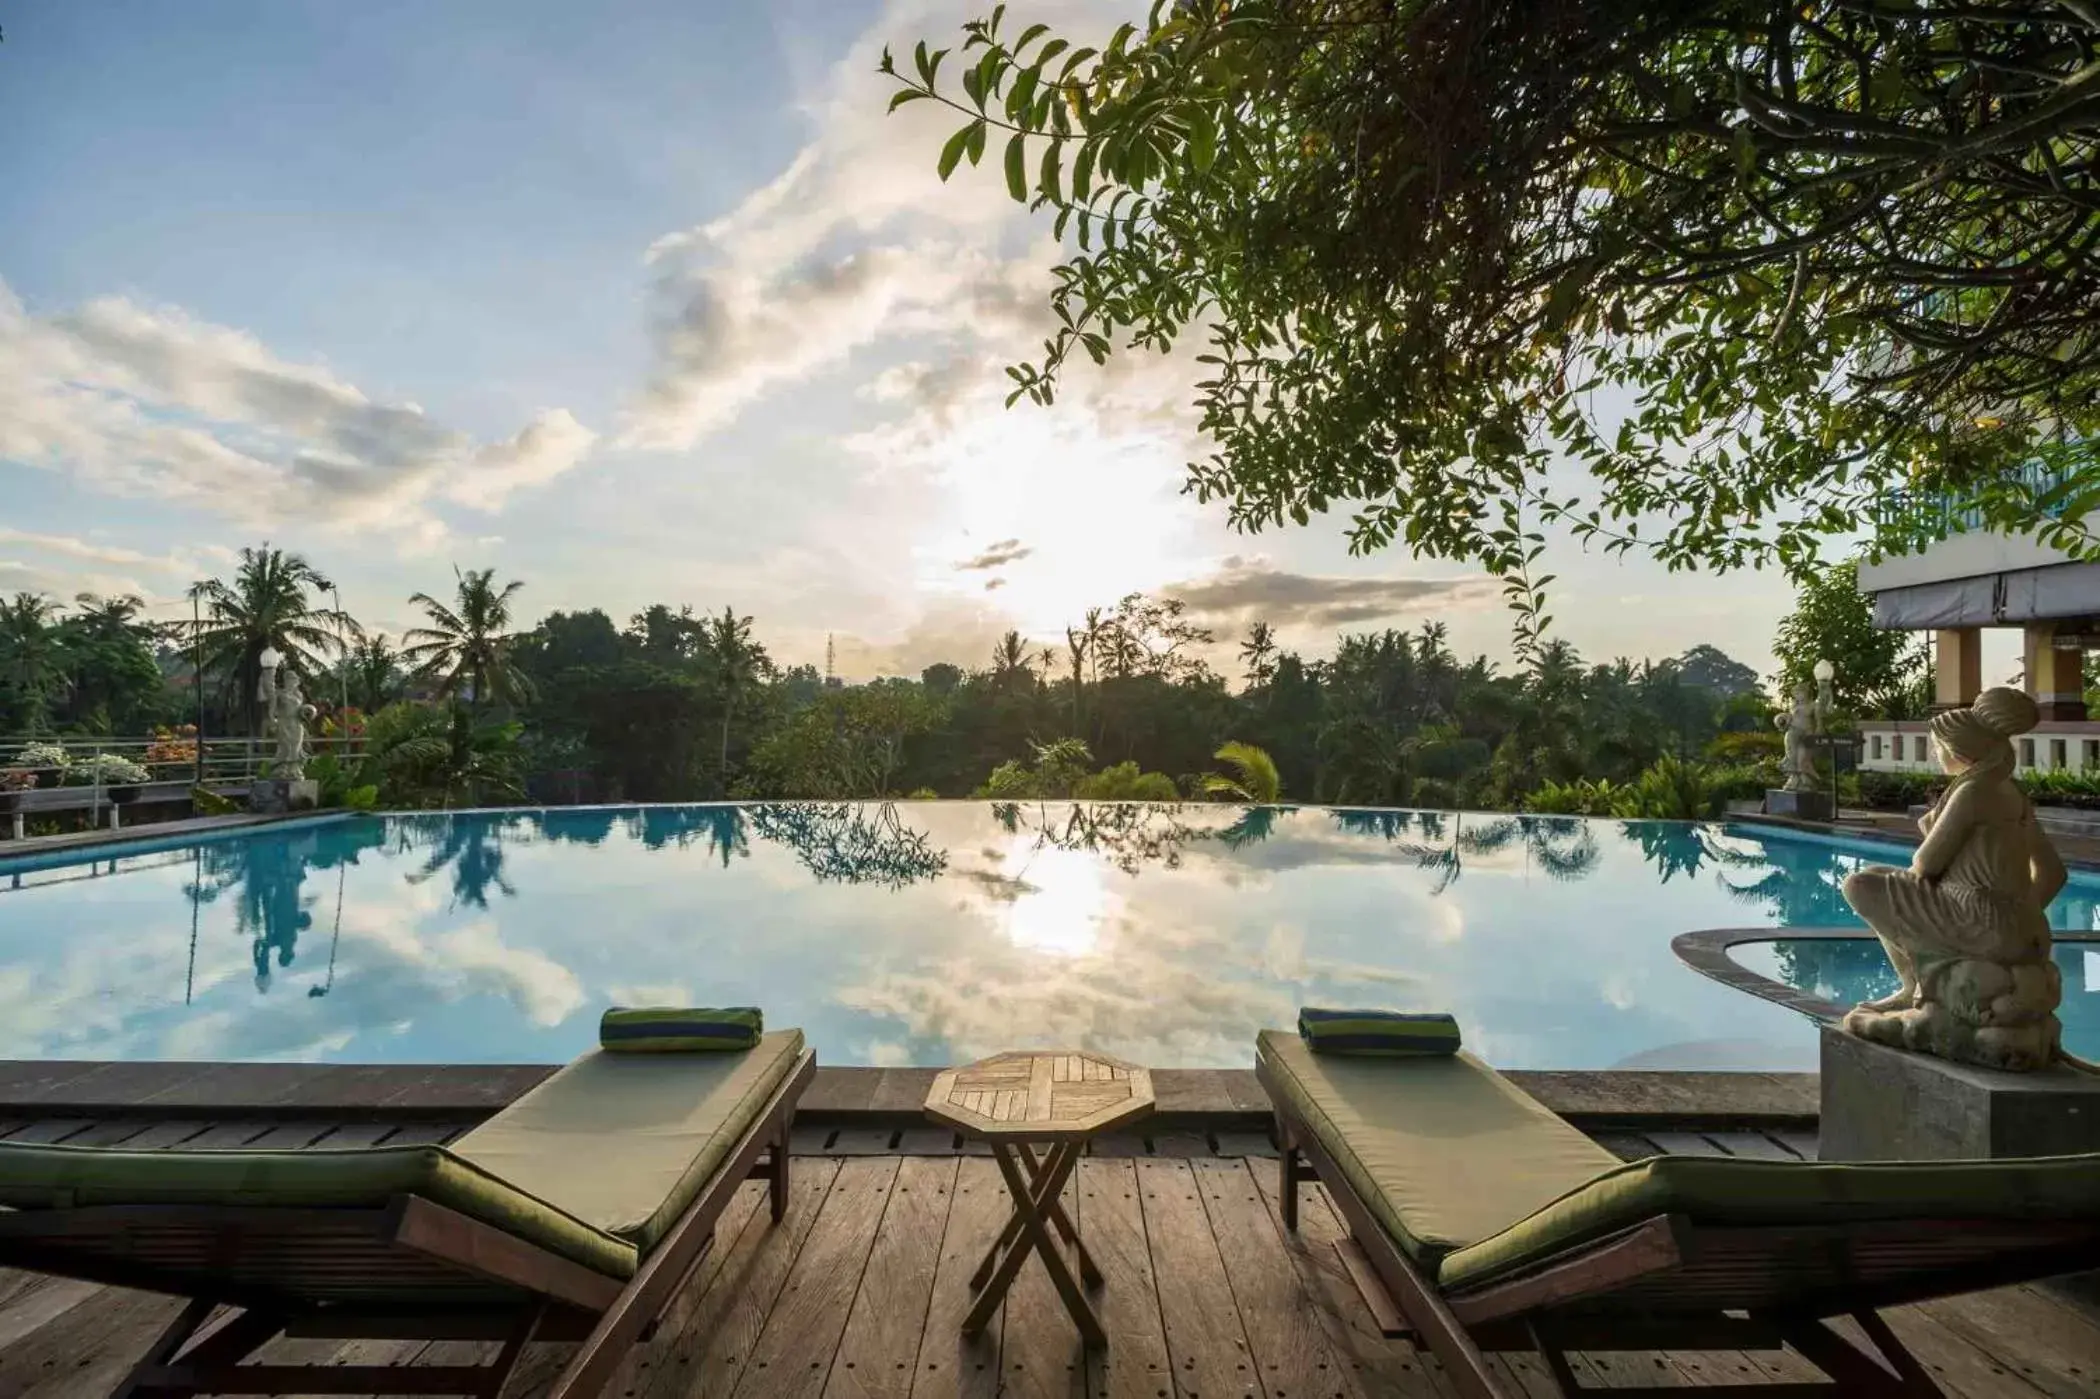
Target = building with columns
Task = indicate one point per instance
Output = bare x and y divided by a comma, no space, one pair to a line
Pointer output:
1955,589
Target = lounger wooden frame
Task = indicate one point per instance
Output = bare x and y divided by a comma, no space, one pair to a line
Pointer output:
1670,1284
443,1275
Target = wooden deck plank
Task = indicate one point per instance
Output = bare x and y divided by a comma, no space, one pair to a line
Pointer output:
1754,1145
1684,1143
87,1348
1289,1352
2026,1333
50,1131
708,1360
800,1339
166,1133
880,1348
349,1134
228,1136
952,1365
1112,1221
1374,1364
1958,1367
1206,1343
292,1136
34,1300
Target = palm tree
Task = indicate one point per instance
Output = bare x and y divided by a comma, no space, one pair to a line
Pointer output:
1258,652
109,618
736,660
267,608
372,674
1256,782
30,657
467,646
1009,658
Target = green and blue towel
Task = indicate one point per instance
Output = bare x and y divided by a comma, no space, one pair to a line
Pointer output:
671,1030
1389,1032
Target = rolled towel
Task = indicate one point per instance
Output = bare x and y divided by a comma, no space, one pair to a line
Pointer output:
671,1030
1389,1032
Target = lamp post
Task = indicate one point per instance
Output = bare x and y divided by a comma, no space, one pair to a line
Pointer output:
197,682
1825,672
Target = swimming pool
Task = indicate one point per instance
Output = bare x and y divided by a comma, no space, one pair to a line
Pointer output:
923,933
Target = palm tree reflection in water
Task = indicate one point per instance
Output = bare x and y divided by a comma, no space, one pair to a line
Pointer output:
1561,847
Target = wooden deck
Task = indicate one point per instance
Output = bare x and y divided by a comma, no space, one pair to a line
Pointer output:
860,1292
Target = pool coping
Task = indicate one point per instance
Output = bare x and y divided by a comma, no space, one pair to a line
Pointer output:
864,1096
69,849
1706,951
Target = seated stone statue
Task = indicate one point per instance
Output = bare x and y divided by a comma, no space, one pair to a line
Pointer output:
1967,925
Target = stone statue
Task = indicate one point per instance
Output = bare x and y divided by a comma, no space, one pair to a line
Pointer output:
1802,723
285,712
1967,924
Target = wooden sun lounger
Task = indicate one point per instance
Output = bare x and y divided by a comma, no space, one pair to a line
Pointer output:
1657,1255
403,1268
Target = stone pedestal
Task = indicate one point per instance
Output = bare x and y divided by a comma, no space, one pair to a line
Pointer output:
1802,806
1884,1104
273,796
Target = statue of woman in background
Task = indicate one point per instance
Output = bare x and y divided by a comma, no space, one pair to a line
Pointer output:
1967,924
285,712
1801,724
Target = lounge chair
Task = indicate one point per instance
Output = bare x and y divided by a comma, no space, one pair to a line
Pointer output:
572,1215
1491,1224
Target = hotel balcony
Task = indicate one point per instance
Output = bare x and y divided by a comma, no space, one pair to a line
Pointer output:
1975,578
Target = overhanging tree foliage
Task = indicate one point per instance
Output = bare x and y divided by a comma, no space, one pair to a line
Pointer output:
1768,272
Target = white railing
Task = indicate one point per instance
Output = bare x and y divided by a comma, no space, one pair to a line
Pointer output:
1889,745
75,773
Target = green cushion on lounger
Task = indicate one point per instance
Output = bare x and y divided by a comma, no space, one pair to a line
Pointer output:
625,1141
1445,1151
594,1164
61,1177
1732,1191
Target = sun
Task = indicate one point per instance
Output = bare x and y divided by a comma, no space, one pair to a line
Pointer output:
1064,903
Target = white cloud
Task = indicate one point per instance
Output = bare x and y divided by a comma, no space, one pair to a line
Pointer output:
856,241
154,403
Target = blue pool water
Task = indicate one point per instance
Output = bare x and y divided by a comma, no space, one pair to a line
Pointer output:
929,933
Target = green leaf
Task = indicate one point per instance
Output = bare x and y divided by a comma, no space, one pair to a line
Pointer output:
1083,170
953,151
1028,36
974,143
1017,168
1047,182
910,94
1203,141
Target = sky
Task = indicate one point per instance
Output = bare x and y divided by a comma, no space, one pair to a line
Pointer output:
641,302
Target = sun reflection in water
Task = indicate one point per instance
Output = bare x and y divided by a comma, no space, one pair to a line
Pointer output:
1063,903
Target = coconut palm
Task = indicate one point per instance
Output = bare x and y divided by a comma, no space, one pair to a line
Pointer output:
1258,654
372,674
1256,780
466,649
736,661
268,606
31,658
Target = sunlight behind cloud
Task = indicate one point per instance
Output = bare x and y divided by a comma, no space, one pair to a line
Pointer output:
1062,902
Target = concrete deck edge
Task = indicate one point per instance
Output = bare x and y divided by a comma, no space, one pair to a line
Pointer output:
82,1087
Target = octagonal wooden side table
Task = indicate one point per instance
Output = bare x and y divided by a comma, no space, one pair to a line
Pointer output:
1014,1102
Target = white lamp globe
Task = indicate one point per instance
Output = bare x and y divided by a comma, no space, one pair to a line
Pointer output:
270,658
1825,672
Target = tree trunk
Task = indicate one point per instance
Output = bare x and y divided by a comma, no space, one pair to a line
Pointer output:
722,769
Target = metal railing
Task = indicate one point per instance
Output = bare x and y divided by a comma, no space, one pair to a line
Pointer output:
1947,513
74,773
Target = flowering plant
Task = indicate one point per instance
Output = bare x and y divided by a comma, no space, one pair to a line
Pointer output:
111,769
173,745
16,779
45,755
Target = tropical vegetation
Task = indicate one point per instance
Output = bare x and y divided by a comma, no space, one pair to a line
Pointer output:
473,708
